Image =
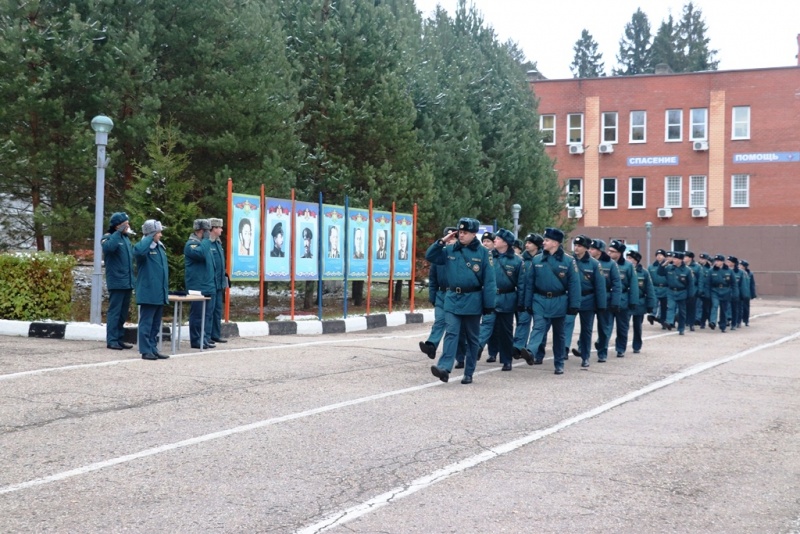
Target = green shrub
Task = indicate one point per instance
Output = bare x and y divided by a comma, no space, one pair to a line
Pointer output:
35,286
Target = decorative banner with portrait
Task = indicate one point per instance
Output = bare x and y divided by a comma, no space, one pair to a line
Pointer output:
245,238
358,240
404,251
333,224
307,245
278,227
381,244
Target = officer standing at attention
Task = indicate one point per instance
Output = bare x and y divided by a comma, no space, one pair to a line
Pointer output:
533,244
647,298
691,302
507,267
220,279
199,276
605,318
721,284
752,285
660,283
593,297
471,292
629,296
681,286
437,290
152,287
552,291
118,257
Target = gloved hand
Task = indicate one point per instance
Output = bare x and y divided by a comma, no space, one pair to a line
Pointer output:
651,310
614,309
572,311
488,311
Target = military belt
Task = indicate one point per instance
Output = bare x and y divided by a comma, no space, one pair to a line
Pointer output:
442,288
550,294
464,289
587,292
506,291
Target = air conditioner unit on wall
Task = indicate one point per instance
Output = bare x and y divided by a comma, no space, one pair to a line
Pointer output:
574,213
664,213
605,148
700,146
576,149
699,212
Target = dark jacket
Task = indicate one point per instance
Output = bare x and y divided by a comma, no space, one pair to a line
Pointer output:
152,272
118,256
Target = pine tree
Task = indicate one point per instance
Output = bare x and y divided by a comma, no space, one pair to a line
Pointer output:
665,46
634,55
588,62
693,43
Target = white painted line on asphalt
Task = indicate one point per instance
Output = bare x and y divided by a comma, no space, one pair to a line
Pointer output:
349,514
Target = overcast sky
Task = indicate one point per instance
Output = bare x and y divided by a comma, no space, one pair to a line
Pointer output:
747,35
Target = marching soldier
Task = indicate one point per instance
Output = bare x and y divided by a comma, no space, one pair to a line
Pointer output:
721,285
487,321
752,293
739,290
593,297
471,293
629,295
507,268
533,244
605,318
703,292
681,286
647,298
660,284
691,302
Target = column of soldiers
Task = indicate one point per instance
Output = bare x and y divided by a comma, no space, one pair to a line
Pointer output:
204,261
482,288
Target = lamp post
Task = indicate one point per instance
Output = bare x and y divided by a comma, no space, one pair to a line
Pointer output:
648,226
101,126
515,209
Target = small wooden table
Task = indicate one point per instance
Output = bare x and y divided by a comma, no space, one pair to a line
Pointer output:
177,319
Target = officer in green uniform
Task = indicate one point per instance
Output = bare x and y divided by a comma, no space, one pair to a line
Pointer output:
471,293
629,295
692,302
703,301
660,284
152,287
552,291
680,282
118,257
742,289
605,318
487,321
507,267
220,279
533,244
721,284
647,299
752,292
593,297
199,276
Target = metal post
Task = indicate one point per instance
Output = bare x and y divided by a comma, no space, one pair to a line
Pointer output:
648,226
515,209
101,125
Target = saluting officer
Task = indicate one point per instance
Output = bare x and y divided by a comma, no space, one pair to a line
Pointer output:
647,298
118,257
629,295
660,284
721,284
199,276
552,291
507,268
533,244
152,287
593,297
605,318
471,292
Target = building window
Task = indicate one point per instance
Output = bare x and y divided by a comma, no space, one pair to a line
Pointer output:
741,122
740,191
636,193
638,126
679,245
609,127
609,193
575,128
699,124
674,122
697,191
575,193
547,127
672,192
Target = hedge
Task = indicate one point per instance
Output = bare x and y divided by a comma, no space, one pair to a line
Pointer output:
35,286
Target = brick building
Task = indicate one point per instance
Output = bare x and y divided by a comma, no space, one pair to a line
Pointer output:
711,159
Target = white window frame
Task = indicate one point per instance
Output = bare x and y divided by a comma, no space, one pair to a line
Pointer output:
543,129
604,192
698,191
742,122
568,185
668,124
606,128
671,194
635,127
742,189
631,192
694,122
570,129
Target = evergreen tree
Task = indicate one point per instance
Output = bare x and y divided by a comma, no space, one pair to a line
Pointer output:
693,43
665,46
588,62
635,53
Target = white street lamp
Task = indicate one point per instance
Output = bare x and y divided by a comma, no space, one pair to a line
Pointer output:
515,209
101,125
648,226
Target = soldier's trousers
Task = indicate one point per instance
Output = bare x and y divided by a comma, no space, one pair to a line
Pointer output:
485,335
437,330
623,321
216,315
676,309
736,312
541,325
719,310
691,311
196,318
503,335
456,326
149,325
703,311
746,311
605,325
585,337
119,303
522,330
637,321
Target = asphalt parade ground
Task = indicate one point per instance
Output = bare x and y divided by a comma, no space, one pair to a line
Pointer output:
350,433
